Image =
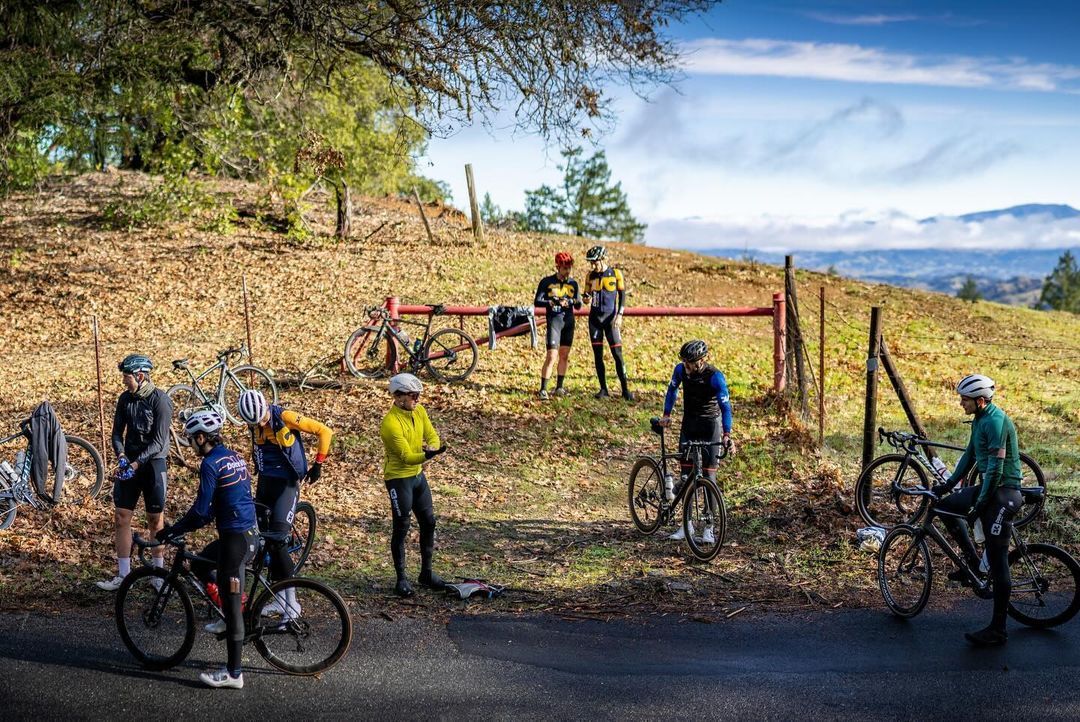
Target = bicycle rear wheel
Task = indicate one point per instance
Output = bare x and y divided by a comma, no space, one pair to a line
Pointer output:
645,492
1045,585
450,355
370,353
302,535
83,472
8,506
904,571
157,626
704,518
240,380
1031,476
308,638
878,503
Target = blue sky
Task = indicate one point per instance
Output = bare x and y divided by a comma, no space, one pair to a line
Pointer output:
796,123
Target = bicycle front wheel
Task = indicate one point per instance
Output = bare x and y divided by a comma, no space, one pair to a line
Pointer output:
302,535
904,571
311,634
645,492
704,518
878,503
8,506
241,379
185,401
450,355
1045,585
370,353
157,625
83,472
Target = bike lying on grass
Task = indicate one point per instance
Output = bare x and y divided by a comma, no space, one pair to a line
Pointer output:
156,618
1045,578
372,351
881,501
704,512
82,478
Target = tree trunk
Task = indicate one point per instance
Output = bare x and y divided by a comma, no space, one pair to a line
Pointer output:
344,210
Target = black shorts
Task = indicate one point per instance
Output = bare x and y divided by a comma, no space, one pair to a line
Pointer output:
560,330
279,497
601,326
149,482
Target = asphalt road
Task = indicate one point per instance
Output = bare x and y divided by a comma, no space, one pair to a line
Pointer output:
823,665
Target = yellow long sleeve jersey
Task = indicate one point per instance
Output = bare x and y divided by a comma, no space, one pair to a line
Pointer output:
279,452
404,434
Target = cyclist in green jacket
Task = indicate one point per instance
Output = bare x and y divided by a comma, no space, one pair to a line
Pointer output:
994,450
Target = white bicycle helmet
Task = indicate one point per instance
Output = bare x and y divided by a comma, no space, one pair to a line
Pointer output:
204,420
405,383
976,386
252,406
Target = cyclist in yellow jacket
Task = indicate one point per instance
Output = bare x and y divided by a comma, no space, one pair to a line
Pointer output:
281,464
410,441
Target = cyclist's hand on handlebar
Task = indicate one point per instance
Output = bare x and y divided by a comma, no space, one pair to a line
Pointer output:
729,444
165,534
314,472
941,490
429,453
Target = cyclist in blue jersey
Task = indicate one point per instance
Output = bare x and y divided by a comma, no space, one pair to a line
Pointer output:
606,296
706,410
558,295
224,496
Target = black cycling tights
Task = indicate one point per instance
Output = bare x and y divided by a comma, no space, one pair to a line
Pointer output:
233,550
279,496
997,518
411,495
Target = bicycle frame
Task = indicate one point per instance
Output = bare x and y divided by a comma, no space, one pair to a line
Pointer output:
416,359
224,376
695,472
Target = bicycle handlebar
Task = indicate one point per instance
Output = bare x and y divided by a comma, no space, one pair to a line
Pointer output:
146,544
237,351
654,424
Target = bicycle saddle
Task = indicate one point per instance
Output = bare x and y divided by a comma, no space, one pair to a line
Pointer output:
1033,494
180,364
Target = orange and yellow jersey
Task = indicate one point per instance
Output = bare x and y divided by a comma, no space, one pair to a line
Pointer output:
276,444
608,291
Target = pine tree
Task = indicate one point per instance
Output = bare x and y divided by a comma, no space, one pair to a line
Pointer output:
1061,289
969,291
586,205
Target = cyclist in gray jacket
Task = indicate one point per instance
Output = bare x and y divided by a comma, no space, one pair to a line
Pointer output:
140,440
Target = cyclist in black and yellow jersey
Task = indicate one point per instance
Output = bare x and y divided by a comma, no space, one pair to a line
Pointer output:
281,463
606,295
558,295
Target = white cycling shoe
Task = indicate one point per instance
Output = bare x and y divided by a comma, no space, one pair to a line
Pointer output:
680,533
216,627
221,678
110,585
708,537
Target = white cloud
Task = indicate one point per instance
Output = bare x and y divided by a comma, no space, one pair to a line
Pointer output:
858,232
883,19
858,64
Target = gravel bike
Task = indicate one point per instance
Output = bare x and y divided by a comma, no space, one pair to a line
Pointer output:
83,474
704,512
375,349
156,618
1045,578
878,492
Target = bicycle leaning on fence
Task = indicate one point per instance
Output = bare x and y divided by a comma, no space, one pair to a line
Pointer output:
879,492
83,475
654,495
1045,578
156,618
375,349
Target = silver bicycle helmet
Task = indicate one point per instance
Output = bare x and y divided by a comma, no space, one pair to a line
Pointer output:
205,420
406,384
252,406
976,386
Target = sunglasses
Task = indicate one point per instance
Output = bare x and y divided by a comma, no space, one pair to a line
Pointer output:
414,395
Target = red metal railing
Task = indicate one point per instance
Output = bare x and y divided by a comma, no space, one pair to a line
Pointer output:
777,312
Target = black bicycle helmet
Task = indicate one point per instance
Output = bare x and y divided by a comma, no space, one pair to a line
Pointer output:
596,253
134,363
693,350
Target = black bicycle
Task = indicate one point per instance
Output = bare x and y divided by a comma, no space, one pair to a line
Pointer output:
156,618
1045,578
652,505
878,492
375,349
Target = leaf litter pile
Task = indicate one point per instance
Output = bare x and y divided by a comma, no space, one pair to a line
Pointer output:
531,495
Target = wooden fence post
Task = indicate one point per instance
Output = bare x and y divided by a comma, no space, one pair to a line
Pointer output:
902,393
474,207
821,372
247,320
870,410
423,216
100,394
795,340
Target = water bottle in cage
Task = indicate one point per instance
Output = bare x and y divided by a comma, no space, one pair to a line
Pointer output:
939,468
8,472
669,487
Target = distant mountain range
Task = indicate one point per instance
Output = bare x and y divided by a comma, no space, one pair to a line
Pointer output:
1012,276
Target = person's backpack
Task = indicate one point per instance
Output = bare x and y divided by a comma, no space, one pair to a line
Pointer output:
504,318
